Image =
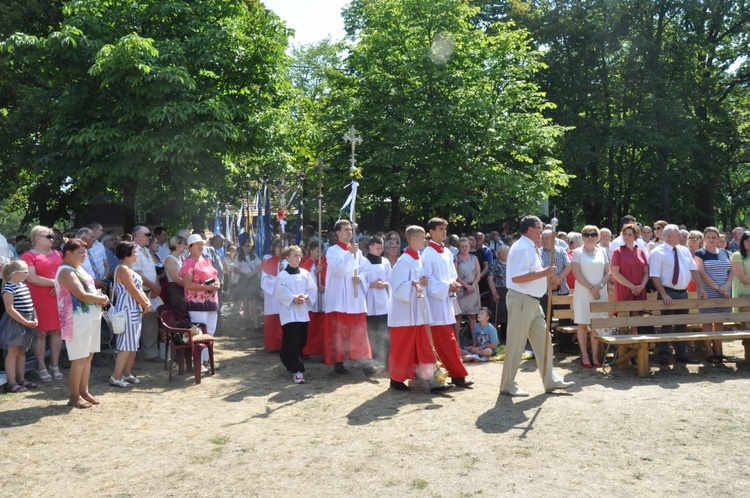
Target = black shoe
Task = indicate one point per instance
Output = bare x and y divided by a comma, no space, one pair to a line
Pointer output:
339,368
663,361
399,386
462,382
371,370
686,360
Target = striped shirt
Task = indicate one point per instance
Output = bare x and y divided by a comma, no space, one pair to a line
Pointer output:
21,297
561,261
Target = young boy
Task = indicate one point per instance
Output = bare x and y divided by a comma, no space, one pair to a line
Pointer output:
485,338
411,353
377,271
296,292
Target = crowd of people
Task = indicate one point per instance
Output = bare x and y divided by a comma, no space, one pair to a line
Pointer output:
392,301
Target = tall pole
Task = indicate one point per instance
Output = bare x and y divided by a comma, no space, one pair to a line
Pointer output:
354,139
321,167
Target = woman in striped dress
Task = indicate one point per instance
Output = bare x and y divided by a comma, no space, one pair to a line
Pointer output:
128,295
717,273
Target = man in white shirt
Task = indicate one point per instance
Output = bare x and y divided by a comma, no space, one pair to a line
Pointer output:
162,238
619,242
526,280
145,267
92,264
671,282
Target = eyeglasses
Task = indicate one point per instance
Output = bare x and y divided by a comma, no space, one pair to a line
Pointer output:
590,234
657,228
147,234
49,236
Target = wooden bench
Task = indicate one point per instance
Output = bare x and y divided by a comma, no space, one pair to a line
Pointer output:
562,309
637,345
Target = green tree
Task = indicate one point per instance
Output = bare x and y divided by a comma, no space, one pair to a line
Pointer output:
451,121
160,102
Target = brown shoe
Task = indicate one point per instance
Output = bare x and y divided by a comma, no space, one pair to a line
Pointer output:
462,382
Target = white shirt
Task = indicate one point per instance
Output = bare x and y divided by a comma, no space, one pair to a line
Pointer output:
339,294
661,264
407,309
440,270
378,300
619,242
287,287
268,286
144,265
163,251
97,255
522,260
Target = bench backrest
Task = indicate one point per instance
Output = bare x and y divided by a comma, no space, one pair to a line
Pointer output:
655,306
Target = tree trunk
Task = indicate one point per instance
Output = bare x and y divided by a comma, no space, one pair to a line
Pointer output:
128,205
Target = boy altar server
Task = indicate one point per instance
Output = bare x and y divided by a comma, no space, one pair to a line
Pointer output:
411,353
344,302
377,277
296,292
441,273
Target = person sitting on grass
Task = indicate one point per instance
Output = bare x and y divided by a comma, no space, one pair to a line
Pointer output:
485,340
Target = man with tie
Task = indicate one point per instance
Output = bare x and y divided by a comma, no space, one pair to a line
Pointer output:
671,267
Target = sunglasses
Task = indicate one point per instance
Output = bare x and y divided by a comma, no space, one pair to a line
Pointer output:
50,237
657,228
147,234
590,234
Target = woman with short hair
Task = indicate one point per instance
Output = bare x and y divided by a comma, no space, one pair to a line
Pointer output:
43,260
80,311
172,266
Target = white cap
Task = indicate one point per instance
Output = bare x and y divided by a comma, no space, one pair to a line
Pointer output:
193,239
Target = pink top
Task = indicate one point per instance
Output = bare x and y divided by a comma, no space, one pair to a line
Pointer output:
44,299
200,270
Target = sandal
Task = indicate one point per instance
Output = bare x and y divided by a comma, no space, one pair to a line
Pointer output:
132,379
15,388
56,373
92,399
44,375
118,383
80,404
27,384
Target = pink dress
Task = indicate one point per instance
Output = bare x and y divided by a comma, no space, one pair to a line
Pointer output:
200,270
45,303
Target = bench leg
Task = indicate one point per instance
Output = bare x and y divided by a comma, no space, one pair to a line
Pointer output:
643,366
746,343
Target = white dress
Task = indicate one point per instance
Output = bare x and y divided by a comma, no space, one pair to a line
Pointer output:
592,269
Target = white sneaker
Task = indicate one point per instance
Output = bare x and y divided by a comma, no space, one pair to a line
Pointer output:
298,378
118,383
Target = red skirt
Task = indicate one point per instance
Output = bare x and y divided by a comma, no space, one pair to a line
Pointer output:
410,353
345,337
272,334
447,350
315,335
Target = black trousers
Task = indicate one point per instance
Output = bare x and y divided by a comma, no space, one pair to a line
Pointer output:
680,348
293,340
380,337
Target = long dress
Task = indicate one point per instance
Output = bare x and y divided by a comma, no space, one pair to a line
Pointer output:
592,269
631,265
467,272
129,340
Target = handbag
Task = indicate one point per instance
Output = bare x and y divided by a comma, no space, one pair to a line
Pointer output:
117,320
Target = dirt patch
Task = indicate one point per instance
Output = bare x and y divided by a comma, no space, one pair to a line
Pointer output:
249,431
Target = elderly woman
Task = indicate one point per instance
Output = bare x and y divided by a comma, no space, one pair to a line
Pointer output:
717,274
80,311
591,270
128,295
201,282
392,251
172,266
43,260
496,279
469,273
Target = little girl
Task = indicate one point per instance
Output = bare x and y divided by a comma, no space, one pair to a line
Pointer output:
17,327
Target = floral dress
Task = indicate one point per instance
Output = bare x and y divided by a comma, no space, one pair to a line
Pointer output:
199,270
467,272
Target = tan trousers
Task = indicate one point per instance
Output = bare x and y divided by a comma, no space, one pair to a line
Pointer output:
525,321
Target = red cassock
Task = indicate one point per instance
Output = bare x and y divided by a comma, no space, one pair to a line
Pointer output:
410,353
317,325
272,334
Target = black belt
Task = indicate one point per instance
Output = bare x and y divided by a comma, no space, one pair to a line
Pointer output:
674,290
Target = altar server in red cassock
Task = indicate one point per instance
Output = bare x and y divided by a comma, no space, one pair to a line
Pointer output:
272,334
346,313
411,353
441,273
316,327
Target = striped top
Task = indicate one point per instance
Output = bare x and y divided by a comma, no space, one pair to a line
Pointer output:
21,297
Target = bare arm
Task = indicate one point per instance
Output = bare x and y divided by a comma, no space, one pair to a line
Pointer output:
71,282
35,279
